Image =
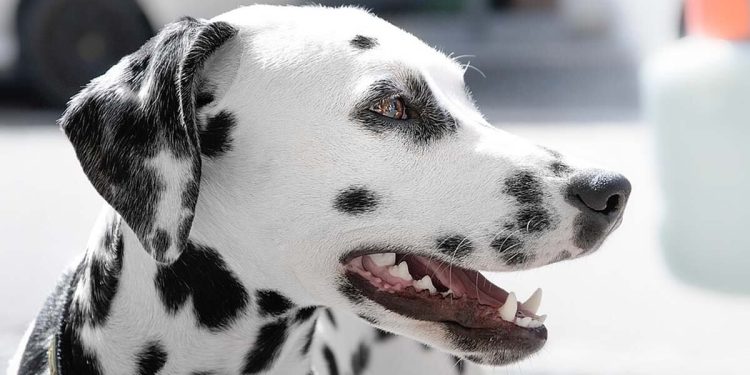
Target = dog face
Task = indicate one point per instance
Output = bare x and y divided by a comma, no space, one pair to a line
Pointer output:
344,159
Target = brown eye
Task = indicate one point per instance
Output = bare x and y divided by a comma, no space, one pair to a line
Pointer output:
391,107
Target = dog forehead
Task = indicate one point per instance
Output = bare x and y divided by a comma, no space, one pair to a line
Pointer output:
314,35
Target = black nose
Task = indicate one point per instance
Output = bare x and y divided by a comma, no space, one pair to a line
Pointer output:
602,192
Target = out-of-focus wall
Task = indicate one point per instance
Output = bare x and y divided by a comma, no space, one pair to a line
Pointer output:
643,25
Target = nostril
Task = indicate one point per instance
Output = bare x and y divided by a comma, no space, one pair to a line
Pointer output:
611,205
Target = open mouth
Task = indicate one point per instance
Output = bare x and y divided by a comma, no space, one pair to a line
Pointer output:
430,290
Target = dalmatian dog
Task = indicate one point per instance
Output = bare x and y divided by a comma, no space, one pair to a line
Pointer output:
306,190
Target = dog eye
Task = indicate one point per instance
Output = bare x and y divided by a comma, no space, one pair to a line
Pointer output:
391,107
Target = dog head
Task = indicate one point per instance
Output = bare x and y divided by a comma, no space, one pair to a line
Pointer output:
343,161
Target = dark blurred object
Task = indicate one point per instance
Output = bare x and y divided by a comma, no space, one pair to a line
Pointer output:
65,43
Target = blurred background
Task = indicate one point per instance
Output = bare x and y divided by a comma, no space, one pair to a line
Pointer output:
612,81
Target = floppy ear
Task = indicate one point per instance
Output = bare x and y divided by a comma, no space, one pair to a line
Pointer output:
134,131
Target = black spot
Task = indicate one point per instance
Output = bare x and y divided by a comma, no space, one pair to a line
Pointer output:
216,137
218,296
202,373
266,347
105,267
532,219
330,359
455,246
363,42
203,99
525,187
151,360
382,336
160,243
360,359
308,339
330,316
76,358
425,347
356,200
505,244
559,168
137,65
271,303
428,121
305,313
511,250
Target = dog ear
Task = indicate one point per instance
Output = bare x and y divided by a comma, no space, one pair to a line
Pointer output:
135,134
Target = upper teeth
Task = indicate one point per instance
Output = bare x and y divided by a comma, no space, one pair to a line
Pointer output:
532,304
384,259
400,271
509,309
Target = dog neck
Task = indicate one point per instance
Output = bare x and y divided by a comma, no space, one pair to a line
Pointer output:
131,315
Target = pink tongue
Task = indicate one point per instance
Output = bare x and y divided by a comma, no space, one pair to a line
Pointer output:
462,282
465,282
382,273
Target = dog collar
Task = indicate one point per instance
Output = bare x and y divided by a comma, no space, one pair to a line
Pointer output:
53,357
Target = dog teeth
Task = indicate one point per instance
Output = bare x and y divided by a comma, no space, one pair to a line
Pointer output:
425,283
532,304
447,293
523,322
401,271
535,322
384,259
508,309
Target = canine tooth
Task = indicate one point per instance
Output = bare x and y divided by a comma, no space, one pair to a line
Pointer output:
532,304
508,309
401,271
425,283
447,293
384,259
523,322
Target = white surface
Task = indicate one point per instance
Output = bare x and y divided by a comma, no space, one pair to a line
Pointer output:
615,312
695,93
